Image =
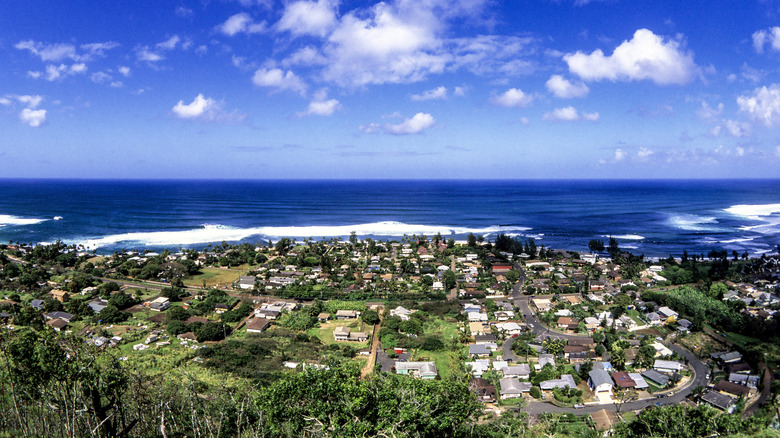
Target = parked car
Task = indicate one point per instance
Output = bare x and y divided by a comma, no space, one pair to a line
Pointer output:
579,406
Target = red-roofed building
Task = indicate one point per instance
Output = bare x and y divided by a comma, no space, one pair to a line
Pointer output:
623,380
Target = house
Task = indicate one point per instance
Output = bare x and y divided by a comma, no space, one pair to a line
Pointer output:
485,339
654,318
600,381
267,313
744,379
221,308
484,390
739,367
37,304
347,314
661,349
323,317
401,313
478,367
668,366
720,401
97,304
510,328
257,325
57,324
65,316
60,295
423,370
732,388
158,304
358,336
727,356
656,377
684,325
541,304
519,371
478,317
565,322
247,281
623,380
479,350
566,380
544,359
341,333
667,313
513,388
639,381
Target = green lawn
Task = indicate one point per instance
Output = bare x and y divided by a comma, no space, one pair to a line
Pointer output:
212,277
441,329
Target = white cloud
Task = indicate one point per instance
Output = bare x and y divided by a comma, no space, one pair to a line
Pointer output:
125,71
144,54
48,52
777,151
771,36
390,45
309,17
434,94
30,101
570,114
763,105
418,123
100,77
707,113
205,109
737,129
513,97
459,91
305,56
321,108
32,117
28,115
276,78
620,155
60,51
169,44
197,108
241,22
54,72
414,125
562,88
645,57
644,153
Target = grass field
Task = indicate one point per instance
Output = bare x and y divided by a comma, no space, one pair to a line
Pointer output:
212,277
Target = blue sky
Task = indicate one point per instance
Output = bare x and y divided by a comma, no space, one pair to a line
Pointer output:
398,89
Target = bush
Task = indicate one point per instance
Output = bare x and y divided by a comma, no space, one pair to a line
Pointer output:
535,392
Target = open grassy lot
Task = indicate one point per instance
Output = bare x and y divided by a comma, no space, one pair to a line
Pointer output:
213,277
440,328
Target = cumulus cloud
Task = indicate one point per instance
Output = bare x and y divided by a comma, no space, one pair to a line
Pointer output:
620,155
146,54
434,94
562,88
204,109
241,22
763,105
316,18
32,117
570,114
418,123
764,36
646,56
414,125
198,107
279,79
124,71
321,108
55,72
29,115
388,44
513,97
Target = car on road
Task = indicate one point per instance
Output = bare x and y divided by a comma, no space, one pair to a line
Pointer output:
658,404
579,406
670,394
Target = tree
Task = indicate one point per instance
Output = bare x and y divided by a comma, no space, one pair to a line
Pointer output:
617,358
449,280
554,346
112,315
212,331
471,240
177,313
411,326
596,245
370,317
614,247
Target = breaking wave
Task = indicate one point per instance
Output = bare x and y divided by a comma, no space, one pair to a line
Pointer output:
6,219
217,233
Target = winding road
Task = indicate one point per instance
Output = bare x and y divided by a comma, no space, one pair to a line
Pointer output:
699,378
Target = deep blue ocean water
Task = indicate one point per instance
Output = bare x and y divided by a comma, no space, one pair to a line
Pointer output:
655,218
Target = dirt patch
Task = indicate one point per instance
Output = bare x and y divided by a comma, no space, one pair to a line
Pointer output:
649,332
702,344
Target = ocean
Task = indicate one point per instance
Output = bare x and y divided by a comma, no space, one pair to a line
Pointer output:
656,218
